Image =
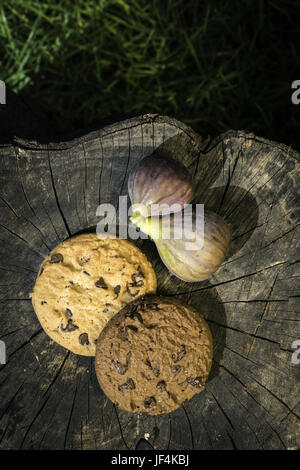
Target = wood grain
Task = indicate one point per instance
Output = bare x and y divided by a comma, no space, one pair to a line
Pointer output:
49,397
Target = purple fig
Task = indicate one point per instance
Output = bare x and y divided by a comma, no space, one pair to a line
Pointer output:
192,244
157,184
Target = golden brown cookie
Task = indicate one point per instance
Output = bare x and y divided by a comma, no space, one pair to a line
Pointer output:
153,355
81,285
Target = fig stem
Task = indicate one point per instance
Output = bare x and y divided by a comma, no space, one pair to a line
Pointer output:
136,219
147,226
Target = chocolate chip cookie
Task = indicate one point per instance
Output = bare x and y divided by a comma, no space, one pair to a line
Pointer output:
153,355
83,283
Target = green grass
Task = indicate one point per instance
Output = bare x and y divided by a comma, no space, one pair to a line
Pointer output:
214,65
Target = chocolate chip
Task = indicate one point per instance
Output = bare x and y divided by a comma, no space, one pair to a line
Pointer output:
148,363
83,260
120,368
195,381
84,339
132,294
101,283
132,327
56,258
178,356
149,402
85,272
128,357
130,310
161,386
138,316
176,369
43,302
68,312
117,290
134,282
140,272
127,385
156,370
133,313
153,306
124,333
69,327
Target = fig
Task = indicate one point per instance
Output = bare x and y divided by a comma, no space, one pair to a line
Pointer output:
157,184
192,248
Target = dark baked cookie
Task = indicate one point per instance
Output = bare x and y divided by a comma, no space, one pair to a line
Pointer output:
153,355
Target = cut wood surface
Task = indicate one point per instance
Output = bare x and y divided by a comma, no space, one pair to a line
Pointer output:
49,397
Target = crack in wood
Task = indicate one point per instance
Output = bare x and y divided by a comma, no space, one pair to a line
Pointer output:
72,407
51,222
56,197
57,374
263,312
190,426
22,346
85,183
120,427
11,332
33,421
100,176
221,409
227,282
23,240
253,398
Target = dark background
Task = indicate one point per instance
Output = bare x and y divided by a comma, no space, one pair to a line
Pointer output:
214,65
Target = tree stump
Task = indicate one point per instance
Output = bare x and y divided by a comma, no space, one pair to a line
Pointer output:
49,397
